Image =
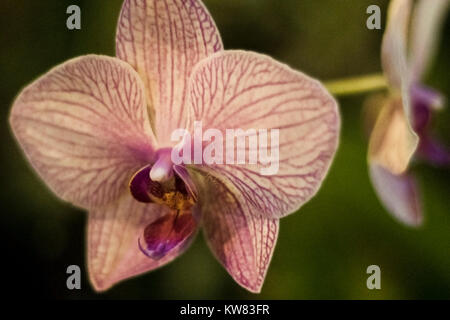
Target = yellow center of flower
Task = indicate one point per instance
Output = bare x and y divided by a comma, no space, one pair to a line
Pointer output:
176,200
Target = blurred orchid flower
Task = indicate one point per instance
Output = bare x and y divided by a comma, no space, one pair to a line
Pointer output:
402,127
98,130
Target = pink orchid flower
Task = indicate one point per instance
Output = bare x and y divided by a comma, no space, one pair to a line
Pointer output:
402,127
98,131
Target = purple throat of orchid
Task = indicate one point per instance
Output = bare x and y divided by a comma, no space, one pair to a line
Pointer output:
170,186
424,101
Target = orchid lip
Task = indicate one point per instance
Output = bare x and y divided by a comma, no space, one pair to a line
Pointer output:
427,96
167,233
424,100
179,195
175,192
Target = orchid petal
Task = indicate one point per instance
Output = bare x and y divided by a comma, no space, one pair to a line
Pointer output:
241,240
392,142
394,46
163,40
84,128
399,194
426,26
243,90
113,241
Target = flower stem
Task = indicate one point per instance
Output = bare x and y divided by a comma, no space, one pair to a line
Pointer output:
356,85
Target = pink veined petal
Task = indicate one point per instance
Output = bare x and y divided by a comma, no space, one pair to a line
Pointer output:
84,128
113,241
243,90
399,194
426,26
241,239
163,40
394,46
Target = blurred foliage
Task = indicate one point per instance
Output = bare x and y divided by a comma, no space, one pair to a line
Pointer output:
323,250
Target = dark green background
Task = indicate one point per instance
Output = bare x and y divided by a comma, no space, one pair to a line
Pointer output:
323,250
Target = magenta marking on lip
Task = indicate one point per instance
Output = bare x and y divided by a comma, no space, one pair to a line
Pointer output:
141,186
166,233
424,100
